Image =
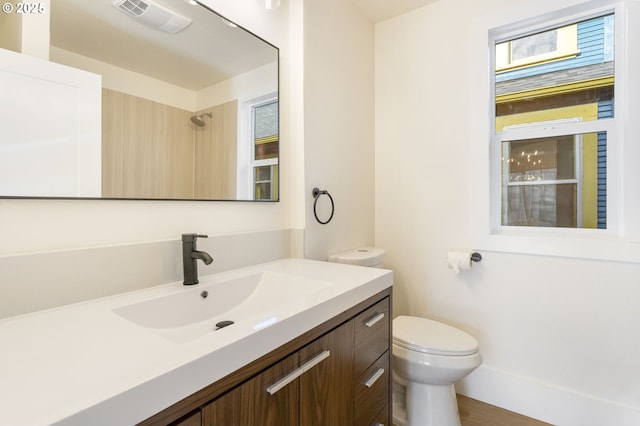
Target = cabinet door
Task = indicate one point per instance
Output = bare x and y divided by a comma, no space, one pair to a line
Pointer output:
249,404
327,389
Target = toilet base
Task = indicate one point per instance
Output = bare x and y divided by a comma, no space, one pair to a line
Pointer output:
399,403
431,405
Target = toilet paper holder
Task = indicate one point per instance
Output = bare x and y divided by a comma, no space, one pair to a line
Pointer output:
476,257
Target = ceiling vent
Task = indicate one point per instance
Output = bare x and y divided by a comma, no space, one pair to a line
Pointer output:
153,14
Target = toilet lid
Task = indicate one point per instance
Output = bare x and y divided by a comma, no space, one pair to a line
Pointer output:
432,337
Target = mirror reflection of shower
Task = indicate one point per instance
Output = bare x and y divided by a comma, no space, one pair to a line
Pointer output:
198,120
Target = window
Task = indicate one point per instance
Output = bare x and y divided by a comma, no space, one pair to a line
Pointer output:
265,151
552,181
581,198
553,121
554,44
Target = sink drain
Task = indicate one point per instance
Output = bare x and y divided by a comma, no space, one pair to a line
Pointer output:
223,324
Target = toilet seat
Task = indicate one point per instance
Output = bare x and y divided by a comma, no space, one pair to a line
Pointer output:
432,337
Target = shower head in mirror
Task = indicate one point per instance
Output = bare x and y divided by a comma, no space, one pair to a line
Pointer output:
198,120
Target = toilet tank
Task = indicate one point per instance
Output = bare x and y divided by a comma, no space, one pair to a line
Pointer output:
363,256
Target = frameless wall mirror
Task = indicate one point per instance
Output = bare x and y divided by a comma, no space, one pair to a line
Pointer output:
137,99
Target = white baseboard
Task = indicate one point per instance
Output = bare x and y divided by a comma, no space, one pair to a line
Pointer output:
561,407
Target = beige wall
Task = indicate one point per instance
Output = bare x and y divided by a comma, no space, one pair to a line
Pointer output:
216,153
125,81
10,29
338,126
147,148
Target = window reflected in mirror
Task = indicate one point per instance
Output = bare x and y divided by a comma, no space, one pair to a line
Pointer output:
265,152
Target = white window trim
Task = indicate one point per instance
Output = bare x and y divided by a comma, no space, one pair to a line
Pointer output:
620,240
567,47
551,129
245,151
577,179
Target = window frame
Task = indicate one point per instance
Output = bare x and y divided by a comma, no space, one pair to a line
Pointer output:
620,240
246,161
577,179
567,48
573,128
255,164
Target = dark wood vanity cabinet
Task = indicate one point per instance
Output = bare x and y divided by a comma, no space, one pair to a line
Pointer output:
250,404
319,396
339,373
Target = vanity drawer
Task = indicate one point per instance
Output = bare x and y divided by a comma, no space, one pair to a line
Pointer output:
382,419
372,391
372,335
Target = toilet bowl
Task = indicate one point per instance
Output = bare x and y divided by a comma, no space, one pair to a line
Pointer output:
428,358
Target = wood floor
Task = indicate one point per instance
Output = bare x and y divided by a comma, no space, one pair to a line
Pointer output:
476,413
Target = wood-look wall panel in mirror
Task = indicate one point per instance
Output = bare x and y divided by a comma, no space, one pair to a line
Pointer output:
179,106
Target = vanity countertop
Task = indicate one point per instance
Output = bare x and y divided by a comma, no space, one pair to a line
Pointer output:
85,364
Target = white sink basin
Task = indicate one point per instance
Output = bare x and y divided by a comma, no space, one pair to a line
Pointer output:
257,300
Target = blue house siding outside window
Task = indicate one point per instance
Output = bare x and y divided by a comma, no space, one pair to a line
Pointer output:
595,44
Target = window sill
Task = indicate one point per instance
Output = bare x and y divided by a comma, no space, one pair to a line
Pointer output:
538,61
570,243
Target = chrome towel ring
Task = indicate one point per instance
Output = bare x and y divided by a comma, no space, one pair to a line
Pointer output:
316,194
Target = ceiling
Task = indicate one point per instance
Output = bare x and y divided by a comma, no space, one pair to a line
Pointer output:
96,29
204,53
380,10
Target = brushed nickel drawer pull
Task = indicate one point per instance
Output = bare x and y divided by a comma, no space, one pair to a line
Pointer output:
298,372
374,378
285,381
374,319
315,361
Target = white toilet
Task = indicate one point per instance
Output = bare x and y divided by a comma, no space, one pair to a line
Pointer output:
428,358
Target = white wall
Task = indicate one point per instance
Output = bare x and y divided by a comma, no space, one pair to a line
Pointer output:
559,336
338,125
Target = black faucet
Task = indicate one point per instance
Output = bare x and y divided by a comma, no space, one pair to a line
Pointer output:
190,257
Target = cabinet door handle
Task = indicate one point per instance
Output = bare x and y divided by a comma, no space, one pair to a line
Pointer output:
374,377
298,372
315,361
374,319
285,381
